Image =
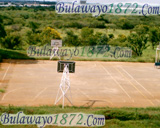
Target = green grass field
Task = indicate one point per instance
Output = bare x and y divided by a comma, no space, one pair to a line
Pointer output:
148,56
115,117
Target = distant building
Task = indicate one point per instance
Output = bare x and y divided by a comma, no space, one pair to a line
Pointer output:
82,1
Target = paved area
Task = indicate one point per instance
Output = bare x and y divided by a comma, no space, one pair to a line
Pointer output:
96,84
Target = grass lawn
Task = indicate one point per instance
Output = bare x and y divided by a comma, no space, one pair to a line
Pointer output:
148,56
115,117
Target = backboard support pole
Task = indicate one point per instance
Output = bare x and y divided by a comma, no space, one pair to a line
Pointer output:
55,52
64,87
157,59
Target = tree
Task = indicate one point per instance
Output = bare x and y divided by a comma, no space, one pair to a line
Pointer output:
86,32
71,39
141,29
120,41
103,40
154,36
97,24
91,40
103,17
138,43
122,38
87,36
33,26
125,23
11,41
1,19
2,31
111,36
33,38
48,34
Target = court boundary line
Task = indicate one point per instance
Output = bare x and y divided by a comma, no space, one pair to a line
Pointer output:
117,82
40,93
5,74
10,92
137,81
134,86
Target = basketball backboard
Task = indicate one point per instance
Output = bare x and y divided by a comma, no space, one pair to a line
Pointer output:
61,65
56,43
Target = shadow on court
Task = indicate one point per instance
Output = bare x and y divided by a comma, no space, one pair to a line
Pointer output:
90,103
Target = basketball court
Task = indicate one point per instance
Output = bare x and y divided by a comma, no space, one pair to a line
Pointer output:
95,84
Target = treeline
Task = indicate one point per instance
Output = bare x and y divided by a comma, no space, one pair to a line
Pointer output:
48,15
21,27
35,8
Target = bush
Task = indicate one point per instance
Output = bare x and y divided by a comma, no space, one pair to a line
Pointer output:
12,41
138,43
142,29
97,24
86,32
127,25
58,24
74,24
111,36
87,36
121,115
33,38
48,34
122,38
103,17
25,15
8,21
33,25
124,23
2,31
0,58
154,36
71,39
102,40
117,42
19,21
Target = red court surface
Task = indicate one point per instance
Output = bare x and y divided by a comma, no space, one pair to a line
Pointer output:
95,84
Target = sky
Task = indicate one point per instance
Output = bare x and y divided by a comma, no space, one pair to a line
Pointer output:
154,2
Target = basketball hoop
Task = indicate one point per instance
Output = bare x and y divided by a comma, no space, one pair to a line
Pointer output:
55,44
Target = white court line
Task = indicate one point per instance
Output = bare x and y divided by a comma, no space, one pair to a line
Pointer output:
134,86
5,74
116,82
39,93
158,100
10,92
42,67
137,82
90,98
83,93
